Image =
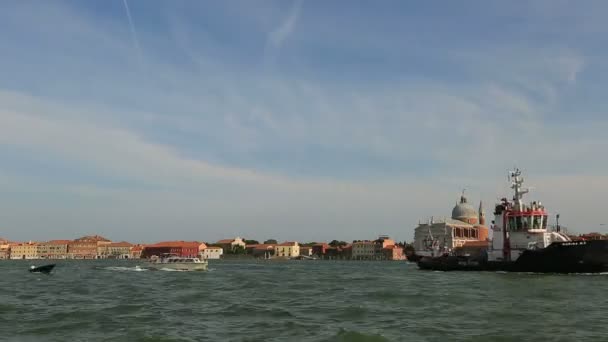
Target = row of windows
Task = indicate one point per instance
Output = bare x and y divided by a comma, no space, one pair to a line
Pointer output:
466,233
528,222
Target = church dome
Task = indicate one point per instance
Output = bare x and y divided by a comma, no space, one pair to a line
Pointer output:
463,211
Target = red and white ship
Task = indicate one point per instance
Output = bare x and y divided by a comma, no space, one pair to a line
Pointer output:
521,242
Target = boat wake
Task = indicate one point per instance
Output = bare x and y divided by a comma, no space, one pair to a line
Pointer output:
125,269
172,270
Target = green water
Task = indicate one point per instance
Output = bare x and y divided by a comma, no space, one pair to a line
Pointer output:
296,301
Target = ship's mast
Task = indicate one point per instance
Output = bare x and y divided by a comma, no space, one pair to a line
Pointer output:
516,184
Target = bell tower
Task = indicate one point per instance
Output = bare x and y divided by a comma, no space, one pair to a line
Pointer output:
482,216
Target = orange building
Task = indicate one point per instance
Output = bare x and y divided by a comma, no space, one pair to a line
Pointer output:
136,251
115,250
26,250
86,247
188,249
5,249
393,253
54,249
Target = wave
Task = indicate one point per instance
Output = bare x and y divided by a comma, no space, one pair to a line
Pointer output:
124,269
351,313
172,270
354,336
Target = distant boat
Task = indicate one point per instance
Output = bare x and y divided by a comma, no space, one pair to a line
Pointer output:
174,262
46,269
303,257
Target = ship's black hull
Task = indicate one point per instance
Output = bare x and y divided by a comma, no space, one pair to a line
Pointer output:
559,257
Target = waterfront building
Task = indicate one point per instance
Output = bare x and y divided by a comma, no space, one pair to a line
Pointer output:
382,248
201,248
5,250
306,250
593,236
26,250
442,236
319,249
365,249
393,253
136,251
230,244
339,252
86,247
54,249
262,250
115,250
212,253
186,249
288,249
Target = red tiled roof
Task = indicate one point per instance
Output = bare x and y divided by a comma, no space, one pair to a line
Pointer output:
58,242
137,248
288,243
213,247
92,238
120,244
225,241
187,244
30,243
264,246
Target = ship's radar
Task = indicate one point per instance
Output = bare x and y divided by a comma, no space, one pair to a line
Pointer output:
516,184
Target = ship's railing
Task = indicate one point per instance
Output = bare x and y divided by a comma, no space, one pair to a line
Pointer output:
562,229
521,246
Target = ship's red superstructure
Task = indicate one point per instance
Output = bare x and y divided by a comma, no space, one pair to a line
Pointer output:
522,243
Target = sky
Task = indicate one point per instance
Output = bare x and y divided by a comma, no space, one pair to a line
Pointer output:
295,120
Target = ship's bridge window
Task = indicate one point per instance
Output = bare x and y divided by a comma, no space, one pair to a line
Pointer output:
544,221
536,222
519,222
512,225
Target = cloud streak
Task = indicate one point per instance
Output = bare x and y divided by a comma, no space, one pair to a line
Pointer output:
279,35
133,33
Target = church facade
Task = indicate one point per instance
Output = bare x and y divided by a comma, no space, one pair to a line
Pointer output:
443,236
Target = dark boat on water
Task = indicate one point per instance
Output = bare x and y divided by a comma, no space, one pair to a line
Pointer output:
521,242
46,269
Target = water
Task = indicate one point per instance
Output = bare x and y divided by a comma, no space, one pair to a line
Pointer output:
296,301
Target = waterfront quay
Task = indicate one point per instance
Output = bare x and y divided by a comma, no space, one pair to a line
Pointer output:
99,247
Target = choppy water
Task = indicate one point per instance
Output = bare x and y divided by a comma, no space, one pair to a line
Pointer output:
296,301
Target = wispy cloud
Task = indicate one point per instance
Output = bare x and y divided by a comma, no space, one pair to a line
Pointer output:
277,37
132,29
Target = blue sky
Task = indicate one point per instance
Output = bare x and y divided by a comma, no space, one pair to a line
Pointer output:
302,120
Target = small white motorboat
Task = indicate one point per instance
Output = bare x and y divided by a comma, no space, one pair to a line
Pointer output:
178,263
